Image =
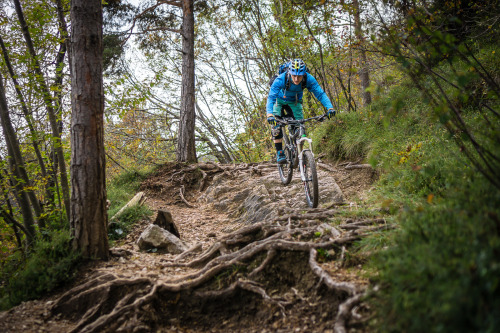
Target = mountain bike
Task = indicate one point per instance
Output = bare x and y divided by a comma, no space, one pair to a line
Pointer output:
296,155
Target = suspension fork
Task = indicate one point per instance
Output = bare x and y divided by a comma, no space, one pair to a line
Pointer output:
300,151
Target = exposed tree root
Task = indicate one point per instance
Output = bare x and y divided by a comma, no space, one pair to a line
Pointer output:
344,313
195,248
181,192
326,278
350,224
326,167
358,166
246,261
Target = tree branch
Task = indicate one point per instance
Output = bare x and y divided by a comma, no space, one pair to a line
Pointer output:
170,2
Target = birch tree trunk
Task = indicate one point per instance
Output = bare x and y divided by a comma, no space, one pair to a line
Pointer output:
186,149
88,184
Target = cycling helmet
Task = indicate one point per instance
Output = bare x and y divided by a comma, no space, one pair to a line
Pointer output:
297,67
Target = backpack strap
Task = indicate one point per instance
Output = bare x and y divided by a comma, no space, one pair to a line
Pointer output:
287,81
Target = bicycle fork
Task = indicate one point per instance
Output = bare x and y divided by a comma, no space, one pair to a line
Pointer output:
300,145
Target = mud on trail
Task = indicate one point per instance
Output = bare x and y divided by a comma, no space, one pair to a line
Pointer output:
259,259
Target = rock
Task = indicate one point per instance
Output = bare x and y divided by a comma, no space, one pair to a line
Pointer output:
256,206
215,190
164,220
155,237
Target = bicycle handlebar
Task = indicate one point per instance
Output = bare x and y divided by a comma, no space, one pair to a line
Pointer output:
291,121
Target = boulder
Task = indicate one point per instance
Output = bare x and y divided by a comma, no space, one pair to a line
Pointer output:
164,220
154,237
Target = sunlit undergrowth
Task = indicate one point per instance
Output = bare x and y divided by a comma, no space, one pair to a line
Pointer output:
440,270
120,190
122,225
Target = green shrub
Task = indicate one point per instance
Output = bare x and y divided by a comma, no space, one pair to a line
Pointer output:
51,263
443,273
377,132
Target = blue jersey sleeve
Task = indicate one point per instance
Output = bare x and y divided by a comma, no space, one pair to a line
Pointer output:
314,87
276,87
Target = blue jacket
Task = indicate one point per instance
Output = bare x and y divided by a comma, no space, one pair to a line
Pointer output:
294,92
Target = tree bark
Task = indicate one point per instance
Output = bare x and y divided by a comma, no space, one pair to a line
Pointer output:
88,184
10,210
364,72
17,169
186,149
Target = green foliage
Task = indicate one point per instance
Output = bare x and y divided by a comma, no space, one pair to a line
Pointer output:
439,271
443,273
51,263
382,129
123,187
124,223
455,71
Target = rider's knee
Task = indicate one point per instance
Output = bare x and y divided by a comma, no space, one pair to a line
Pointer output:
276,132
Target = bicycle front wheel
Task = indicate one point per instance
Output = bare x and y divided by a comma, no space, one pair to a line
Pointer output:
311,179
286,169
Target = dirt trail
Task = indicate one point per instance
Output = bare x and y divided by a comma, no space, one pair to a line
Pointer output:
267,263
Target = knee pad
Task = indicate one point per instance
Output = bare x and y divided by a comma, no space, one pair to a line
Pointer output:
276,132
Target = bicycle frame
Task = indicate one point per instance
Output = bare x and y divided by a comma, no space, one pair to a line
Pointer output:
297,154
297,139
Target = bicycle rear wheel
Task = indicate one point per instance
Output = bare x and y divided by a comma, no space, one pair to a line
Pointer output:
311,179
286,169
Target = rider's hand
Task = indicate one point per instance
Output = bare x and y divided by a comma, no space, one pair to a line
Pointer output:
271,120
330,113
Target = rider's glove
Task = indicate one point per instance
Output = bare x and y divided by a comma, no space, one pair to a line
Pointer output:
330,113
271,120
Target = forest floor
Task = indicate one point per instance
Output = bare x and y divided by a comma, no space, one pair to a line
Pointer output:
260,260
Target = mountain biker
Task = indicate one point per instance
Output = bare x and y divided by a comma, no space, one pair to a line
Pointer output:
285,99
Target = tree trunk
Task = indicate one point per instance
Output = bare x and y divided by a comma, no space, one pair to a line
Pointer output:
364,72
9,212
29,121
88,184
17,170
186,149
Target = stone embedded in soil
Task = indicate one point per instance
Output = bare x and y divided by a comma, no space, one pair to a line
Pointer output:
155,237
